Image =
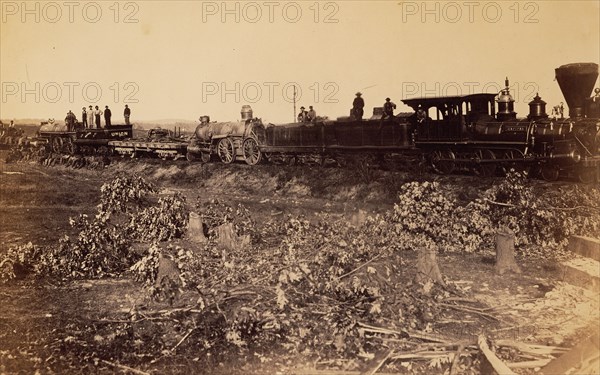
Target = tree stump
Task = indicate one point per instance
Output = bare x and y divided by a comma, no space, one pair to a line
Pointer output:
196,229
427,266
505,251
229,240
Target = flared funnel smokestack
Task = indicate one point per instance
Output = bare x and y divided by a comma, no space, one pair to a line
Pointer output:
576,82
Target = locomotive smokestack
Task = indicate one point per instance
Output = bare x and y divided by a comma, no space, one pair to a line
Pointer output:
576,82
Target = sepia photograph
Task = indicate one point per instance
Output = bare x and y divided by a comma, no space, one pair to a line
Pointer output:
306,187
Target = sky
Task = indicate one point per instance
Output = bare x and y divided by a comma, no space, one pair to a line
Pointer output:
183,59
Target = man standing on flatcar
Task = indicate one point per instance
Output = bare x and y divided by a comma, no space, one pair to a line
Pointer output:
97,114
127,114
107,114
84,118
388,109
357,106
90,117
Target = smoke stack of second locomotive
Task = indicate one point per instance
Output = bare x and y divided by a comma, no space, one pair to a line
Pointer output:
576,82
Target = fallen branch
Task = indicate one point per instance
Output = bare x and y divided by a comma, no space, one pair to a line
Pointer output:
529,364
421,355
535,349
455,362
497,364
470,310
123,367
377,362
184,338
412,334
359,267
542,208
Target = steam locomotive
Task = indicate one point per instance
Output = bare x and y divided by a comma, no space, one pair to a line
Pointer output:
451,132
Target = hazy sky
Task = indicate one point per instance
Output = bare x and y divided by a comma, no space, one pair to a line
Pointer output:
183,59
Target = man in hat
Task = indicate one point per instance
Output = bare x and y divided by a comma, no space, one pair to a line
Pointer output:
302,115
311,116
388,109
70,121
84,118
90,117
127,114
357,106
97,114
107,114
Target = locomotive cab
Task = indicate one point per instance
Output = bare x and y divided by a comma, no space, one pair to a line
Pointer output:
449,118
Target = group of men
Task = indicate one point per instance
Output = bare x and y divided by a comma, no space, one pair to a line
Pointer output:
359,103
92,118
307,116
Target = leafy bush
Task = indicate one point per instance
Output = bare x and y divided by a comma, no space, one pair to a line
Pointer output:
161,222
102,245
427,214
542,223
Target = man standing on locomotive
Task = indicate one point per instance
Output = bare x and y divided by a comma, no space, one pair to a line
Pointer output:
357,106
302,115
388,109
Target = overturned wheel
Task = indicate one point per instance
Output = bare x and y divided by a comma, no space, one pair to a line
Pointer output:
57,145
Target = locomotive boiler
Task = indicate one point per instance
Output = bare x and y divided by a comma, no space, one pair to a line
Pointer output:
230,141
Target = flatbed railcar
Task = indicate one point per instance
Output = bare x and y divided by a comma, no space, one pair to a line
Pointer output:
159,142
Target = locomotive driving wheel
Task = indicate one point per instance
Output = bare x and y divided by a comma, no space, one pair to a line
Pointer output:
513,159
443,161
252,153
550,172
484,164
588,175
226,150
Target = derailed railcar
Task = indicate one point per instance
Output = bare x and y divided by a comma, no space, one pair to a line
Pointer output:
62,139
